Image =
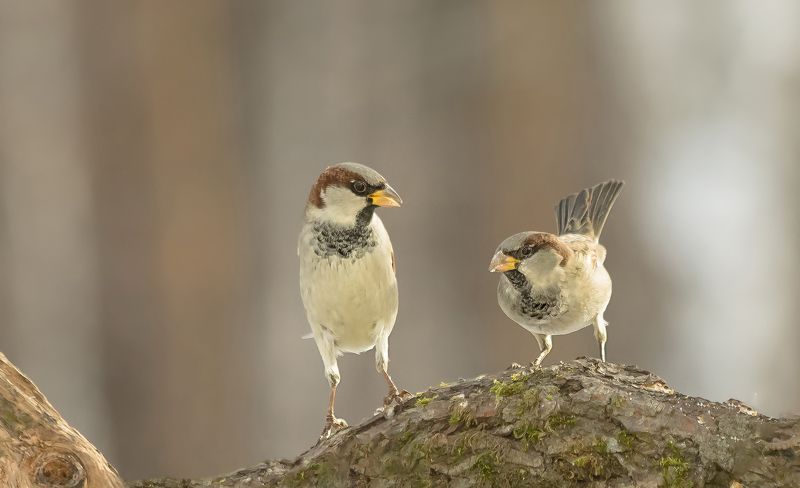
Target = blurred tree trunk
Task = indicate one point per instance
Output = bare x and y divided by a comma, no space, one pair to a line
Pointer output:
172,237
48,253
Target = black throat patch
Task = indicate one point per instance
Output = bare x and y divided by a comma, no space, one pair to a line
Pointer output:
344,242
536,304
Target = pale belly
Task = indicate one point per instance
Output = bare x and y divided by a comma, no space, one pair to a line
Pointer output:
582,303
355,300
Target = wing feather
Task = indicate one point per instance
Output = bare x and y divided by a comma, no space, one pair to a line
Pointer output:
586,212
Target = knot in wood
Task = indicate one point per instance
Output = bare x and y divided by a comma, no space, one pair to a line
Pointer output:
58,469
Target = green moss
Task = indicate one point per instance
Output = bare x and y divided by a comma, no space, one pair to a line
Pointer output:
409,461
590,465
405,437
675,469
424,401
600,446
461,415
486,465
626,439
463,444
558,421
528,434
316,474
591,462
531,432
529,400
514,386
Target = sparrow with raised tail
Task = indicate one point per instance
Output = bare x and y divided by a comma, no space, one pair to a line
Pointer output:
557,284
347,272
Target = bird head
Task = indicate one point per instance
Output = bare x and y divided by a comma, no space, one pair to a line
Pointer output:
348,193
531,253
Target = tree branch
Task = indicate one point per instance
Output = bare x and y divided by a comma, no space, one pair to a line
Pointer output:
563,425
557,426
37,447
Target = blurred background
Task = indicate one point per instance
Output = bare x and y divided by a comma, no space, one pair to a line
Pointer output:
155,158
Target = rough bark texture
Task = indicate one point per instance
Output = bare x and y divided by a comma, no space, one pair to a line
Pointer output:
38,449
582,423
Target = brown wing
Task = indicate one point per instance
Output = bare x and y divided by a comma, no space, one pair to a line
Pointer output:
586,212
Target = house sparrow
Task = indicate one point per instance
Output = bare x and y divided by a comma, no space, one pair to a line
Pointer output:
347,272
557,284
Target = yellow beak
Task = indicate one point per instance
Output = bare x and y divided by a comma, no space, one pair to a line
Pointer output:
502,263
386,198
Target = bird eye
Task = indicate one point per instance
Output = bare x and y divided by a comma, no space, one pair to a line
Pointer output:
359,187
526,251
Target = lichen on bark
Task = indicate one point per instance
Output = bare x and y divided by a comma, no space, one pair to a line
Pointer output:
573,424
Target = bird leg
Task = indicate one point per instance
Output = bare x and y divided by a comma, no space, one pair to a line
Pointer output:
381,364
332,424
601,335
545,346
394,395
327,350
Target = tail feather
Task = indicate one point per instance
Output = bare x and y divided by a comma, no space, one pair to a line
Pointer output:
586,212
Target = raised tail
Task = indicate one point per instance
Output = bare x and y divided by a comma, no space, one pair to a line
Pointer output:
585,212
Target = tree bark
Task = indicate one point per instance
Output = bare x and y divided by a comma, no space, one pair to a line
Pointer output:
583,423
38,449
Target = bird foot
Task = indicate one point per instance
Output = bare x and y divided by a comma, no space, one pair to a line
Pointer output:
332,426
514,366
396,396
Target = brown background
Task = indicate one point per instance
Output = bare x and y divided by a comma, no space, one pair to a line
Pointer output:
155,158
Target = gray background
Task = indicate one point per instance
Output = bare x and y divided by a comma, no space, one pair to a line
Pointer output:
155,158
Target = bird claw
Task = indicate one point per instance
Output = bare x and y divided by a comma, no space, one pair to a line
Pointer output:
396,397
332,426
513,366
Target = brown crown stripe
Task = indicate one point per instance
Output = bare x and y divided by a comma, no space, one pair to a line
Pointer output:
543,239
332,176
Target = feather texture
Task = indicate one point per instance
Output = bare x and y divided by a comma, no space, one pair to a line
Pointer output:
586,212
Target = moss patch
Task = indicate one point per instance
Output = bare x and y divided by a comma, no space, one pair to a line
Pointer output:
528,434
591,462
319,473
625,439
424,401
558,421
590,465
462,415
675,469
486,466
514,386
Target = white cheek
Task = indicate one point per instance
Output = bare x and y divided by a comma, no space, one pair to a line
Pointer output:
543,268
341,206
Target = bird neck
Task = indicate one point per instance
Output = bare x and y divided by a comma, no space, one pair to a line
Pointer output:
340,217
